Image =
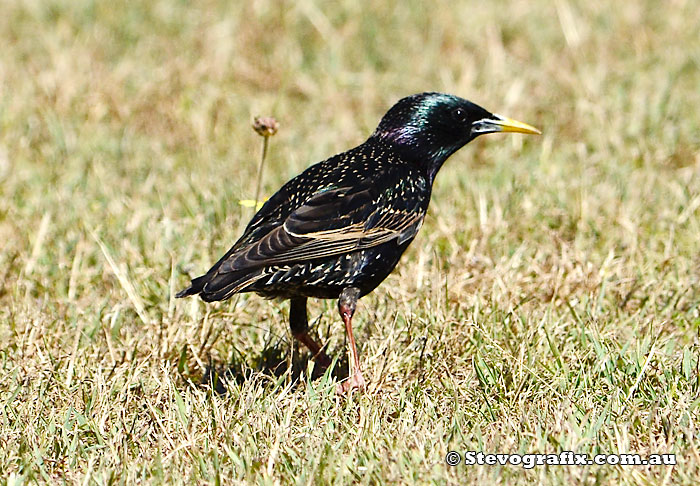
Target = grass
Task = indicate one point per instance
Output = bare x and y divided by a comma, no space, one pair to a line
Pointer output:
550,302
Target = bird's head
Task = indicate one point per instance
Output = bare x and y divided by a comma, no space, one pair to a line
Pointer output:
430,127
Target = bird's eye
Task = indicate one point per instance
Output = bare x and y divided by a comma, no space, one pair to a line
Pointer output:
459,115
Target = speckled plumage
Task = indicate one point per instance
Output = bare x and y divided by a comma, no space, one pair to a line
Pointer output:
338,229
350,203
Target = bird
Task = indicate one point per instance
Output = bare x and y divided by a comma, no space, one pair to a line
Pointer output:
339,228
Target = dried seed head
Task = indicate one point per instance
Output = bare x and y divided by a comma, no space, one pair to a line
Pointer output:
265,126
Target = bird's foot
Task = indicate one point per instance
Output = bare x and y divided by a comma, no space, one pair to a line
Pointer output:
323,360
354,382
321,364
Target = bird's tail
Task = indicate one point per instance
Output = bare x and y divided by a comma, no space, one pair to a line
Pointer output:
219,286
196,286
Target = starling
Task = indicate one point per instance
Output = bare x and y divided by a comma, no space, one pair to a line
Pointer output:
338,229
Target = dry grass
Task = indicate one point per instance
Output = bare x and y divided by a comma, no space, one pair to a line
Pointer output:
550,302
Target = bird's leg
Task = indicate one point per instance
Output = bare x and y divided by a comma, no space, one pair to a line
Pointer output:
299,325
347,302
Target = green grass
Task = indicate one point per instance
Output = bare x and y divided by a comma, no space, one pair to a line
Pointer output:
551,301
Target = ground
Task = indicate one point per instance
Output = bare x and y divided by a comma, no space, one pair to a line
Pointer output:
550,302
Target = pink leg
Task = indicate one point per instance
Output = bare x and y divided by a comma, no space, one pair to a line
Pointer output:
346,306
319,355
300,330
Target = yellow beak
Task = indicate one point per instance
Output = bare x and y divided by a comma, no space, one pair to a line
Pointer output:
498,123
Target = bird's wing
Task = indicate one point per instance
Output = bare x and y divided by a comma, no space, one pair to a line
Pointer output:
334,222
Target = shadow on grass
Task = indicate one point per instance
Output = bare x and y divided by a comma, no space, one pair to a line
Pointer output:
273,361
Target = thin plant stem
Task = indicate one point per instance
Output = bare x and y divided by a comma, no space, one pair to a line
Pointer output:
260,174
